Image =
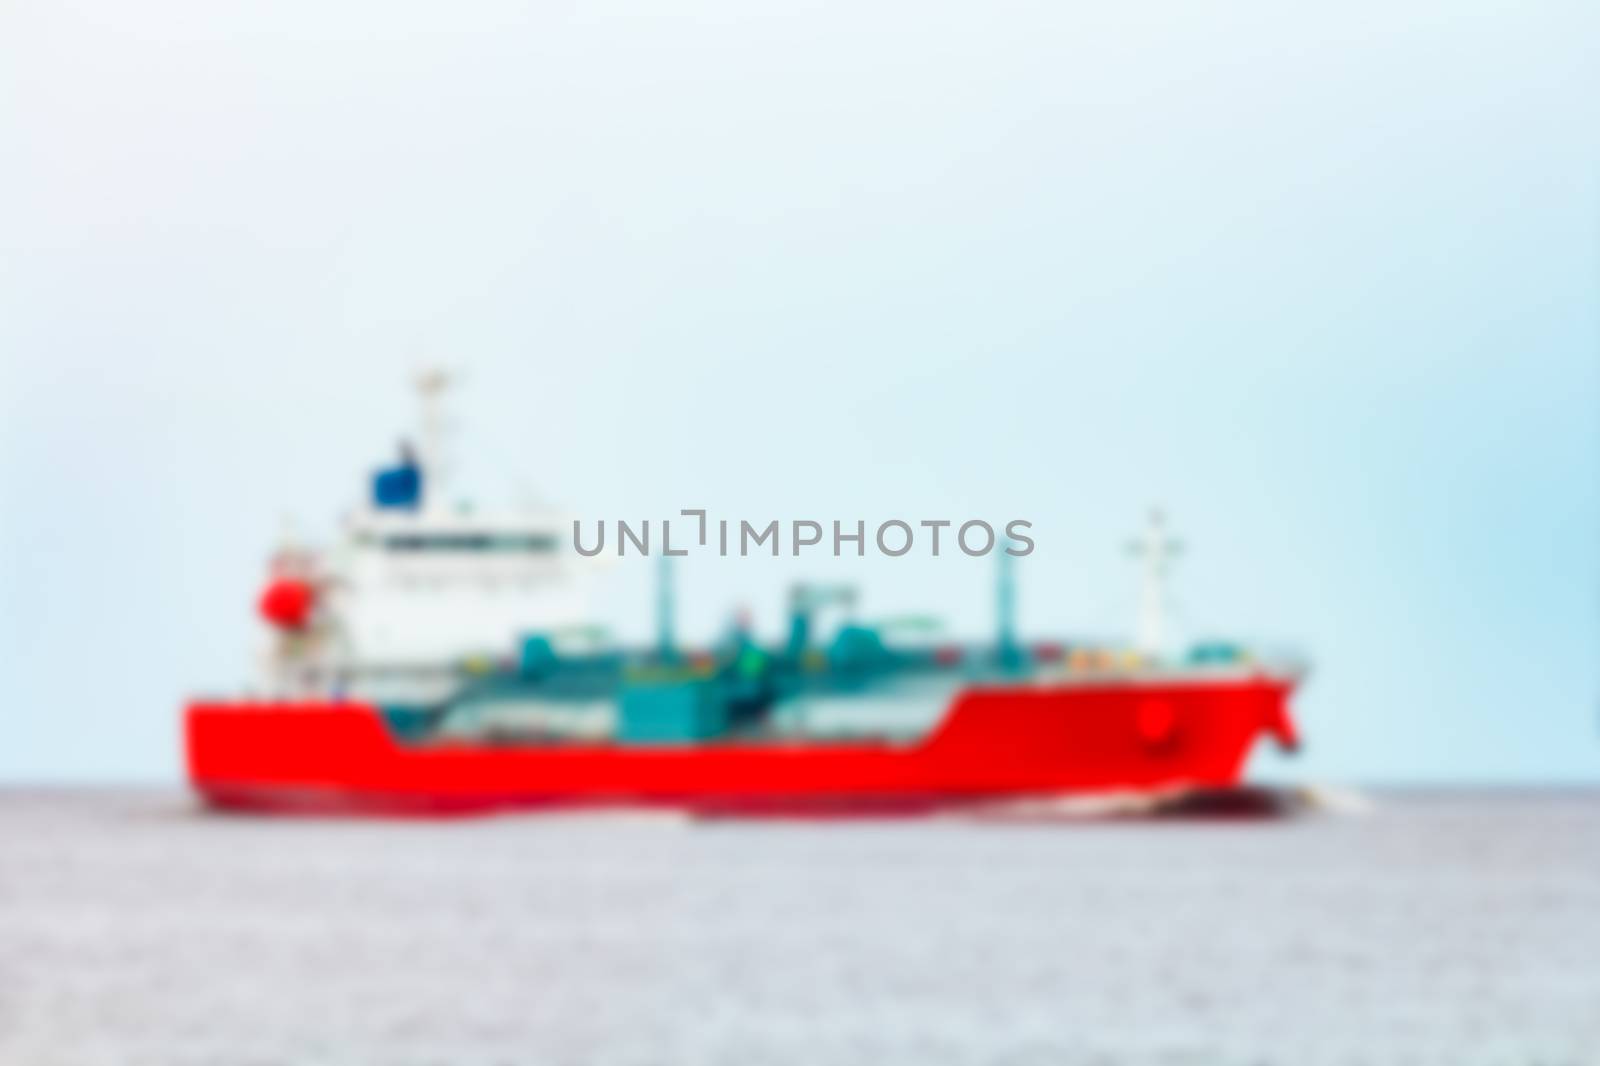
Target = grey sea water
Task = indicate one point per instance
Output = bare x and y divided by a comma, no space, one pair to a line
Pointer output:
1453,929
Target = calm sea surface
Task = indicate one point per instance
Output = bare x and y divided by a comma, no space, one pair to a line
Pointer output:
1450,929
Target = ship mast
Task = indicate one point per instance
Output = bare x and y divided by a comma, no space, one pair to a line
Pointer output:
666,609
1156,550
1007,651
431,386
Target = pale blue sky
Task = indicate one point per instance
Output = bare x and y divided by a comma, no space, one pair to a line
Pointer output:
1322,279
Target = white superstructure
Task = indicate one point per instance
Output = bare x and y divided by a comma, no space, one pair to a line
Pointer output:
419,584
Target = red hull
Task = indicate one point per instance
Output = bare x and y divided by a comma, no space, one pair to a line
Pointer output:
994,743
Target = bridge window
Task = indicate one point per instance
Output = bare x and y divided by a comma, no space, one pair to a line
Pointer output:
537,543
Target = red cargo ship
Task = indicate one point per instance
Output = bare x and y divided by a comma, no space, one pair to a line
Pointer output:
364,719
